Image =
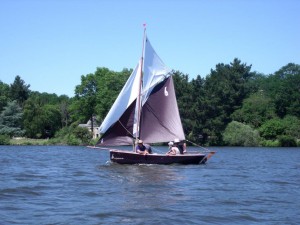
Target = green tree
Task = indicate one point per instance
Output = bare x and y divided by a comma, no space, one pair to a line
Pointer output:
271,129
225,89
11,120
83,134
110,84
197,108
4,139
41,121
256,109
19,90
4,95
287,98
85,97
291,126
239,134
283,88
286,130
184,100
96,94
65,112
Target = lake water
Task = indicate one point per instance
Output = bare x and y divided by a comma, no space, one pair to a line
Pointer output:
77,185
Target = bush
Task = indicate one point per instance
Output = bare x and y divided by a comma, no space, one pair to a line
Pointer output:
83,135
73,135
272,129
4,140
287,141
270,143
72,140
239,134
93,142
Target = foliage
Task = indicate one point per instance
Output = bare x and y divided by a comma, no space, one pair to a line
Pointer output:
19,90
291,126
225,89
29,141
271,129
109,85
73,135
210,107
184,99
238,134
11,119
64,110
283,87
287,141
286,127
96,94
256,109
85,97
270,143
72,140
196,128
41,121
82,134
4,95
4,139
287,98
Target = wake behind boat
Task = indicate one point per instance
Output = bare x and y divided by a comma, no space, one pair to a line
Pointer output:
146,109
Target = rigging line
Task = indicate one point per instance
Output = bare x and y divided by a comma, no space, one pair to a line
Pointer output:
193,143
125,128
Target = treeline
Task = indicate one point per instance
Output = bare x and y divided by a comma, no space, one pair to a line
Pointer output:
230,106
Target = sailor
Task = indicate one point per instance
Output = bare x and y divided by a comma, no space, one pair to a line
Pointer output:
148,148
173,149
181,145
141,148
170,145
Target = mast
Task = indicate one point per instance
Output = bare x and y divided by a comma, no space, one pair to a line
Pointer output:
139,102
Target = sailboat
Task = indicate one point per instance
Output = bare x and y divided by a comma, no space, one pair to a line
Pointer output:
146,109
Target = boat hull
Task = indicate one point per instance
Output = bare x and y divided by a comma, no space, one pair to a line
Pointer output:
126,157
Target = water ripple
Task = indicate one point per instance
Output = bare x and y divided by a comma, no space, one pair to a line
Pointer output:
75,185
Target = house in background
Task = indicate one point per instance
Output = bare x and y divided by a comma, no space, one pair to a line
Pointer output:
95,130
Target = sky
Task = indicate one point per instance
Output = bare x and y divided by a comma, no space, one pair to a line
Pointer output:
50,44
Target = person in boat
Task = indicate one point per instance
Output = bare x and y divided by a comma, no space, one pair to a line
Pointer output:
181,145
170,145
173,149
141,148
148,148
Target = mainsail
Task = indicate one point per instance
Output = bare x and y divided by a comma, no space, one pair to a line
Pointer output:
159,115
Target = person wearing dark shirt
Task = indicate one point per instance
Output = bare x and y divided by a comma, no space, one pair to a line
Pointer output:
181,146
141,148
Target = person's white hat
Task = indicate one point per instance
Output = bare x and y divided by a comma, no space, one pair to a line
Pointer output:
140,142
170,143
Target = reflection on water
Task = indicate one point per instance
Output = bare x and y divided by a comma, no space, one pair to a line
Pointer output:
146,186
